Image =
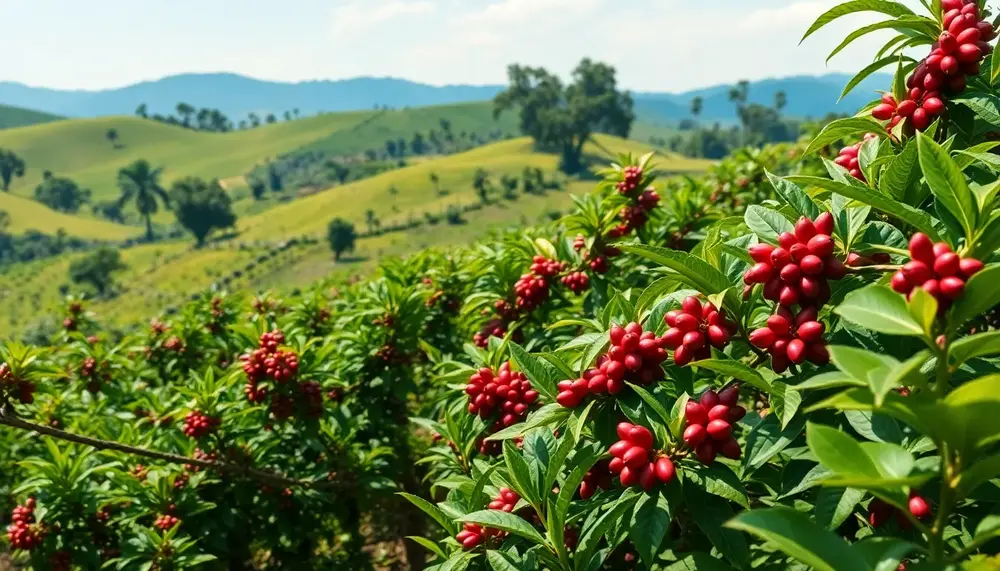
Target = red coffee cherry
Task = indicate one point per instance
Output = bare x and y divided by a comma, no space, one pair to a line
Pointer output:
792,338
632,460
503,396
694,329
709,424
936,269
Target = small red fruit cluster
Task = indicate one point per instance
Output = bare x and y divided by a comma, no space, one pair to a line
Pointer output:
474,535
505,500
577,282
267,361
792,338
634,356
632,458
879,512
165,522
14,388
710,424
694,329
848,157
504,396
630,179
796,272
960,48
22,531
531,291
936,269
198,424
599,476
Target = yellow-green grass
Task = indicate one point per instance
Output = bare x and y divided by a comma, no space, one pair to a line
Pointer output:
409,192
78,149
11,116
26,214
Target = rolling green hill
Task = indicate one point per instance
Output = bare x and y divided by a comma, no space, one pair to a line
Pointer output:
11,117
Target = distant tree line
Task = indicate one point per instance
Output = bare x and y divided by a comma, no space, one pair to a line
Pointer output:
211,120
32,244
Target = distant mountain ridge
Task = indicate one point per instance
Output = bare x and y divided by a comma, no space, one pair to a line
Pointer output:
236,95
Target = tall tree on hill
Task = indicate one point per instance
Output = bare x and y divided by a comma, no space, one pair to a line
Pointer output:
446,129
254,120
61,194
738,96
97,269
271,119
112,137
218,122
204,119
401,146
341,235
11,165
184,111
142,111
371,220
140,184
436,181
288,115
417,144
780,101
390,147
697,104
563,118
201,207
481,182
295,112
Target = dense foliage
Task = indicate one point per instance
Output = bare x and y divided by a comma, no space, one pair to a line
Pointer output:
791,363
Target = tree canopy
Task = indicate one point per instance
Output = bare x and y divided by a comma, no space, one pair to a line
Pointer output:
140,183
62,194
11,165
563,118
341,235
97,269
201,207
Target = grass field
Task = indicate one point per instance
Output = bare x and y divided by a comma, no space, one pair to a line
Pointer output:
11,117
26,214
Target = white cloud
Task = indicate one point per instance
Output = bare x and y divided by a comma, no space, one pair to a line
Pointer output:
361,16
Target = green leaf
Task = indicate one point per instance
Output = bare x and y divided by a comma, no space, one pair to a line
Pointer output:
841,129
947,183
994,68
428,545
712,513
974,407
500,561
699,273
880,309
867,71
785,402
835,505
698,562
794,196
839,452
767,439
901,174
735,369
915,23
978,345
867,366
829,380
977,474
814,477
521,474
652,402
552,413
649,526
799,537
985,105
981,294
459,561
912,216
923,308
433,511
719,480
592,534
889,8
766,223
542,374
502,520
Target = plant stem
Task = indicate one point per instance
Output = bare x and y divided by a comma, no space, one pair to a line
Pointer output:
944,505
873,268
8,419
942,380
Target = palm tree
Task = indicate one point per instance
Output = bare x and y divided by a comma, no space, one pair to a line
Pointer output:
140,183
697,104
738,95
371,220
184,111
780,100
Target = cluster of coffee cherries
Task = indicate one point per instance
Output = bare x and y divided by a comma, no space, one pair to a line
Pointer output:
268,361
280,366
598,257
504,396
936,269
694,329
14,388
634,215
796,272
473,535
848,157
165,522
198,424
577,282
961,47
634,356
598,477
879,511
710,422
89,371
633,460
22,532
505,501
792,338
497,326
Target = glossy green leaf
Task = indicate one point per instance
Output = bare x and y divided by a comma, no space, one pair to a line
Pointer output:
766,223
695,271
735,369
768,439
981,294
648,526
880,309
978,345
502,520
947,183
894,9
793,196
799,537
840,129
835,505
719,480
712,514
542,374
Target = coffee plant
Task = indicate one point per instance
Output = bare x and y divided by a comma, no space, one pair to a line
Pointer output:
792,362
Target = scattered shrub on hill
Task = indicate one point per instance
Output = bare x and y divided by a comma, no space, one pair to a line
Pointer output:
11,166
341,236
97,269
201,207
61,194
562,118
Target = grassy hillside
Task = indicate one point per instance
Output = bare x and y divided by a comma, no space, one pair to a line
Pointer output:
11,117
161,275
78,149
409,192
28,214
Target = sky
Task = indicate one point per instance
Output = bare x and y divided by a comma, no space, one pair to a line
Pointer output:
656,45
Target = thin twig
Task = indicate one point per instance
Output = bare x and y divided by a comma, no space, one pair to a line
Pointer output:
873,268
7,419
